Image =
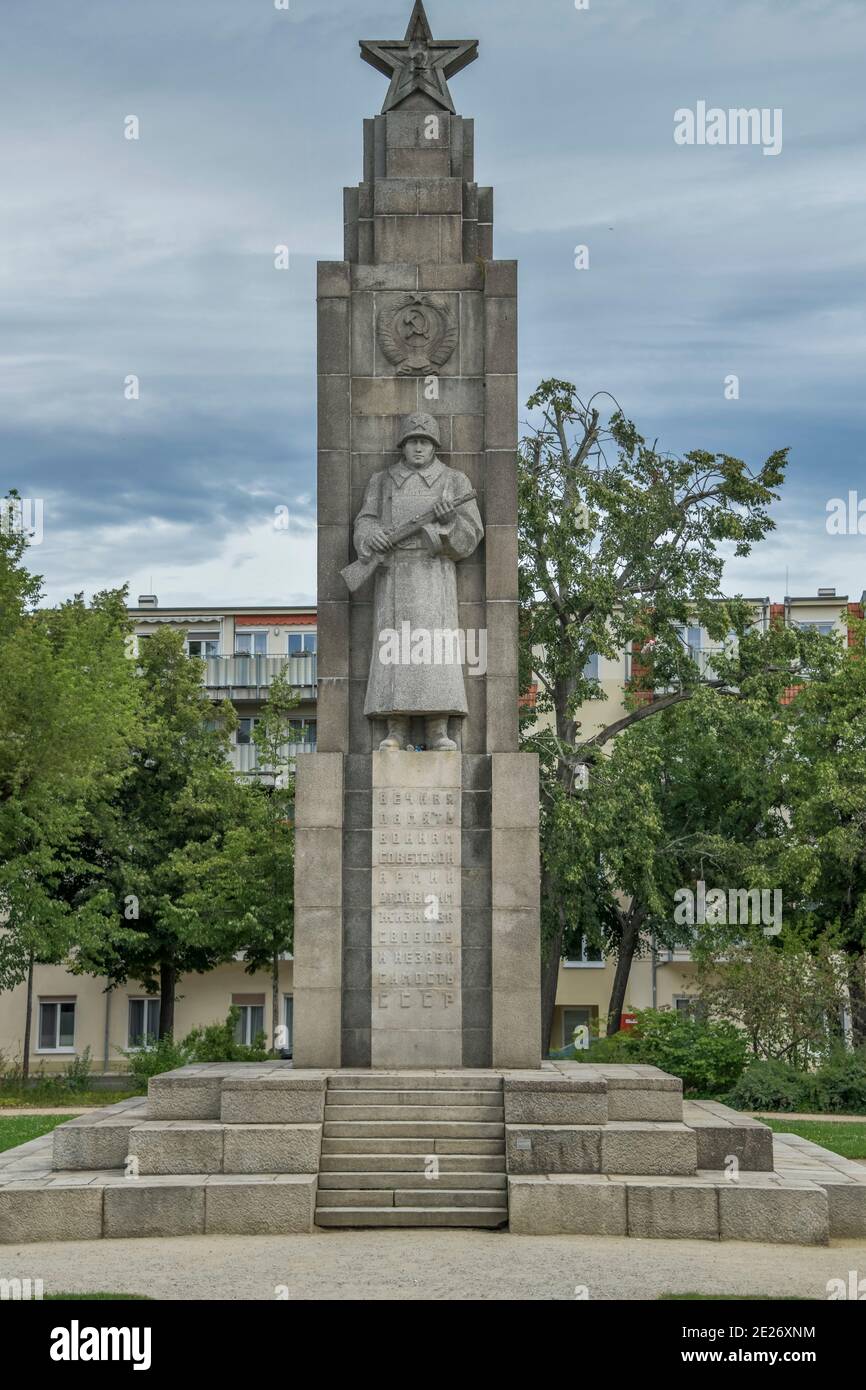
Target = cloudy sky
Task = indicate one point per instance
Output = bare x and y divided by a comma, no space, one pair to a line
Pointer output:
154,258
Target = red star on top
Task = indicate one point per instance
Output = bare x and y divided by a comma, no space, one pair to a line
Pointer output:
420,63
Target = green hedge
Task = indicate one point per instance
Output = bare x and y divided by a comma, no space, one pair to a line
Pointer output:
838,1087
708,1056
215,1043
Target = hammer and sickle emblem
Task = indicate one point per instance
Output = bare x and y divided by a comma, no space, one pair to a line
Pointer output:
416,324
419,334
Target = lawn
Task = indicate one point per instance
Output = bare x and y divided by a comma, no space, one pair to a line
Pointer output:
847,1140
98,1297
16,1100
18,1129
731,1298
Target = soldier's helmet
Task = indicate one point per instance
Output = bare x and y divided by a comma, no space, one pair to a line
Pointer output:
420,425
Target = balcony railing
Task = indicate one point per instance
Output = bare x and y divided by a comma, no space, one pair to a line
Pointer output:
229,675
244,756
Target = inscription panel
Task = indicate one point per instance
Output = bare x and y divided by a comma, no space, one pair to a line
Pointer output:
416,938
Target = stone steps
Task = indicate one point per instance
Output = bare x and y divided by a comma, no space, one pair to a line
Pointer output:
456,1097
413,1129
349,1163
413,1114
364,1197
398,1145
379,1140
412,1082
475,1217
397,1178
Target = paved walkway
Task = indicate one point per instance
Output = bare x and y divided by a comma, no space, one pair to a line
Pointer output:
440,1265
53,1110
787,1115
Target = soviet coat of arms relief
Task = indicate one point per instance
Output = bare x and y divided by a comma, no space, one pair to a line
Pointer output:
419,334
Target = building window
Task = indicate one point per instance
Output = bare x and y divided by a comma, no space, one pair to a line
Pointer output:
589,955
143,1022
689,1005
302,643
576,1018
824,629
56,1025
245,730
303,733
251,1017
251,643
203,644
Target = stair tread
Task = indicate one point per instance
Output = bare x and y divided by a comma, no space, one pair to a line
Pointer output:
436,1211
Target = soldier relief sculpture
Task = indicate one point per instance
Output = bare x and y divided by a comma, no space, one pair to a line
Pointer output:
419,519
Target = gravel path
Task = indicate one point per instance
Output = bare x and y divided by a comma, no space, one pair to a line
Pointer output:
438,1265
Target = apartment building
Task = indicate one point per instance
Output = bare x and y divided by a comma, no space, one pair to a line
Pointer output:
243,649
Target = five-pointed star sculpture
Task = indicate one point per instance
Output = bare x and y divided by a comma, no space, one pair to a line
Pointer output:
420,63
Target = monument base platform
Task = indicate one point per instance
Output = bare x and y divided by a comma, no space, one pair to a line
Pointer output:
565,1149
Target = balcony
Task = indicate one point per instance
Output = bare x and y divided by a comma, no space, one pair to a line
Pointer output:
244,756
250,677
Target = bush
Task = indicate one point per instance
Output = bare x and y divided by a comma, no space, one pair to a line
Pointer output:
76,1074
769,1085
613,1049
213,1043
45,1087
146,1062
708,1056
216,1043
839,1086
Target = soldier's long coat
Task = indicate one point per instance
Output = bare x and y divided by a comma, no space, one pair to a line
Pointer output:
417,583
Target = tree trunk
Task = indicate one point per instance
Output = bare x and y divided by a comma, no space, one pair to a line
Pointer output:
857,999
275,1003
565,729
28,1022
550,968
167,986
627,947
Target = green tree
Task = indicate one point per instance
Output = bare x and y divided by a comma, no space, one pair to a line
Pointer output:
693,795
621,553
243,884
180,793
826,791
67,720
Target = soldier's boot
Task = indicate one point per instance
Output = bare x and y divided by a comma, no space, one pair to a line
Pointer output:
398,733
437,736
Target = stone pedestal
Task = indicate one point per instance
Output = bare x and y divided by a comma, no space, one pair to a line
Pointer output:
416,1016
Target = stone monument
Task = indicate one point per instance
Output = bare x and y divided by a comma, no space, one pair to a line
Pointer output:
417,864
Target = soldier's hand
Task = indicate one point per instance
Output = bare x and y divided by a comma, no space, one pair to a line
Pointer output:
379,541
445,511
